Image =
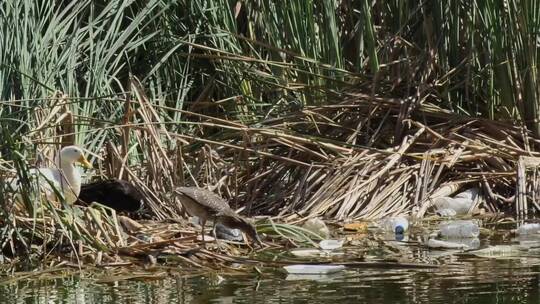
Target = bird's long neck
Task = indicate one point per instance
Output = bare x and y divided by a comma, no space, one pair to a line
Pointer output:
71,181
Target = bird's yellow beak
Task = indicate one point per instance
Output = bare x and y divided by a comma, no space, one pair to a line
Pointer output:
84,162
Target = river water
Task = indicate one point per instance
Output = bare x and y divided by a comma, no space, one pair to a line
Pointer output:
511,278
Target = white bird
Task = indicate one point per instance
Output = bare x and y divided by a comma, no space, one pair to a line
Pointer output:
64,177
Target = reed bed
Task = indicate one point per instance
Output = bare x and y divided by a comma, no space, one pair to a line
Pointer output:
341,109
359,158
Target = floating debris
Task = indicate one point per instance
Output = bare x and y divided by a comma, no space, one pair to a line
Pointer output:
459,229
313,269
311,253
398,224
530,228
500,251
313,277
330,244
466,243
433,243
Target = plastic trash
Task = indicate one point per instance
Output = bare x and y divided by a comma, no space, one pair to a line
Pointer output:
500,251
447,212
317,226
310,253
401,237
465,243
459,229
398,224
433,243
531,228
461,203
313,269
472,243
528,240
331,244
306,253
394,238
326,278
469,194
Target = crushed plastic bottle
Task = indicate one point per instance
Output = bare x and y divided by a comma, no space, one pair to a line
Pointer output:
469,194
311,253
530,228
462,243
500,251
331,244
446,212
398,224
313,269
433,243
317,226
459,229
461,203
528,240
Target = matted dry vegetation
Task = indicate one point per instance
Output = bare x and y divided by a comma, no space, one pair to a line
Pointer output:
361,157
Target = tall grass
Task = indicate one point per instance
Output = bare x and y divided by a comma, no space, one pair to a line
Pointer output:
263,57
250,61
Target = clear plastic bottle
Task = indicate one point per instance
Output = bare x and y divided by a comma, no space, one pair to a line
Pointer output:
330,244
459,243
460,205
470,194
459,229
530,228
398,224
446,212
317,226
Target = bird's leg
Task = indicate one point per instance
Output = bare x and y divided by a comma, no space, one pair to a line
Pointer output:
214,233
203,222
214,229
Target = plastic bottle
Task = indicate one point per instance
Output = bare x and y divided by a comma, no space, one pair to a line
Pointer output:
531,228
460,206
317,226
446,212
459,229
500,251
330,244
398,224
460,243
469,194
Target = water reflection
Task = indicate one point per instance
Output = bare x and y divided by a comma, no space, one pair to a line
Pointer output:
472,280
459,279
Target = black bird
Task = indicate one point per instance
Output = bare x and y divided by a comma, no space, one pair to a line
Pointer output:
207,205
117,194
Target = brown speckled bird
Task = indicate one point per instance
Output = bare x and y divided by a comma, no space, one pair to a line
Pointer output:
207,205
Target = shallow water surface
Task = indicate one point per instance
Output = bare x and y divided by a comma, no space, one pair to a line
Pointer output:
458,279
